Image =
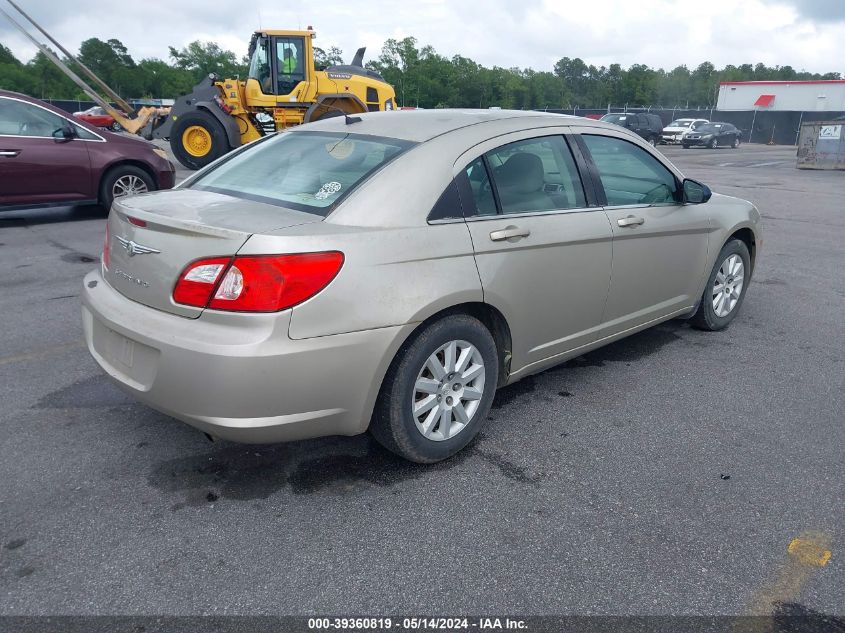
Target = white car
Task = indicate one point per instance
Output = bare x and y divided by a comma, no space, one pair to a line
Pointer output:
674,132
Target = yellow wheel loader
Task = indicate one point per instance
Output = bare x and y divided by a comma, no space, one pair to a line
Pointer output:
282,89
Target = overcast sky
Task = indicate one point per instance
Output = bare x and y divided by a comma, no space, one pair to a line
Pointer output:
806,34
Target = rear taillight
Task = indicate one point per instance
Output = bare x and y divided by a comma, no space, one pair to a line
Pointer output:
106,247
256,283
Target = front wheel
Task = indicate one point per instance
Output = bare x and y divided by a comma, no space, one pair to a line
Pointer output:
653,141
735,143
438,390
197,139
725,288
713,144
686,146
122,181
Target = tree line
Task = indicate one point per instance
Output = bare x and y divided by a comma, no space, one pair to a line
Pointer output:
421,76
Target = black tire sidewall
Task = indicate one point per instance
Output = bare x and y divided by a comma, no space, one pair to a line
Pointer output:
394,425
706,317
219,141
116,172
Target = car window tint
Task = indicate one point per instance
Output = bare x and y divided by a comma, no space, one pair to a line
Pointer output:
629,174
536,175
24,119
482,192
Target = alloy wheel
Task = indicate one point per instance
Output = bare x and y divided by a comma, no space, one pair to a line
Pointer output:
448,390
128,185
727,287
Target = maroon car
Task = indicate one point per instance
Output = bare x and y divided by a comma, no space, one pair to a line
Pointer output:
49,158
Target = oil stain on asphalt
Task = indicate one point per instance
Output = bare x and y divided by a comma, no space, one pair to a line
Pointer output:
245,473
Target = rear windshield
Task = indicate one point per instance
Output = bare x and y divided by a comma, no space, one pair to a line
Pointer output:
308,171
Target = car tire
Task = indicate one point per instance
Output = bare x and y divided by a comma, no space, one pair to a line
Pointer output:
686,146
416,433
123,180
712,315
115,127
735,143
197,139
652,141
714,144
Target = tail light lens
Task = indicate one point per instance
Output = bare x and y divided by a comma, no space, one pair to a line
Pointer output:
256,283
105,257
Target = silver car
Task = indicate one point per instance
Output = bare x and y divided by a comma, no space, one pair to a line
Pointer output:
388,272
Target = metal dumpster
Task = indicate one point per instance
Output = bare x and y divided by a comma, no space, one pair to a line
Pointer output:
821,145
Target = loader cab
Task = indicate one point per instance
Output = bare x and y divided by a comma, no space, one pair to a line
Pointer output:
281,65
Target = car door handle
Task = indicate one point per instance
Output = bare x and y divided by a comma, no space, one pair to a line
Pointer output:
509,232
9,153
631,220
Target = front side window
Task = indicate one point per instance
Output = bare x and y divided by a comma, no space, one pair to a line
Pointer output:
307,171
536,175
24,119
630,174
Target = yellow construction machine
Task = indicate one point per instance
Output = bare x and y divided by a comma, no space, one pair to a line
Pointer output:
282,89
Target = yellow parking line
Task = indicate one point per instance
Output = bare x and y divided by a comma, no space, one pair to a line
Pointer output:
50,351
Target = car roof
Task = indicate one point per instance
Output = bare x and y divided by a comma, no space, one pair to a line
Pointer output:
423,125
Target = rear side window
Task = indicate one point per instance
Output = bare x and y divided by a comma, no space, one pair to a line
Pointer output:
629,174
527,176
308,171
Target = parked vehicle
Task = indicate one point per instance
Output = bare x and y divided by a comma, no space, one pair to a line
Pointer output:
649,126
48,158
390,272
98,117
675,131
713,135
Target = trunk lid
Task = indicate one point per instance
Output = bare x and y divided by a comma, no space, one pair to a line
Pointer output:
172,229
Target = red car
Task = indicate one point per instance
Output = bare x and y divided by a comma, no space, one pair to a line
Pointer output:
48,158
98,117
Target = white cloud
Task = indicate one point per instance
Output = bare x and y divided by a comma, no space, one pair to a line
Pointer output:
527,33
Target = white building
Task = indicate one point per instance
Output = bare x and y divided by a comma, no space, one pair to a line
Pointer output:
815,96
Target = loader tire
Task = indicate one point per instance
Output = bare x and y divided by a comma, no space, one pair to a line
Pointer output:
197,139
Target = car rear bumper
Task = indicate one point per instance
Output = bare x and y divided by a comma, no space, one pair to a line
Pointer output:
236,376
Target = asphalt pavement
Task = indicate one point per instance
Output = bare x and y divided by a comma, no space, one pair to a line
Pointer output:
669,473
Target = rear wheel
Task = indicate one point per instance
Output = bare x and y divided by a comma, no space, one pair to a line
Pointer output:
122,181
725,288
438,390
686,146
652,141
197,139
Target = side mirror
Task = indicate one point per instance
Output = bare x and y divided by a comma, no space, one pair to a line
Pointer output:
696,192
64,134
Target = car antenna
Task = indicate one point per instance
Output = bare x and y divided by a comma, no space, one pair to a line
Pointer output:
349,119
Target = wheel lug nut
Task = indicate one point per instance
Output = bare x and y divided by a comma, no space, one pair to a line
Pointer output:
456,386
449,401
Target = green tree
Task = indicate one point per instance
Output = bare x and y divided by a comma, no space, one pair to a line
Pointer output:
323,59
205,58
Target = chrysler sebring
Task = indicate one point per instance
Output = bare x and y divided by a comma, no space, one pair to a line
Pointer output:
388,272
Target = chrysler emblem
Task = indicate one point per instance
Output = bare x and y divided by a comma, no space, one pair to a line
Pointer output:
133,248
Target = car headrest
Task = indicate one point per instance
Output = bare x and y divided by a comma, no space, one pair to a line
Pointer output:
522,173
